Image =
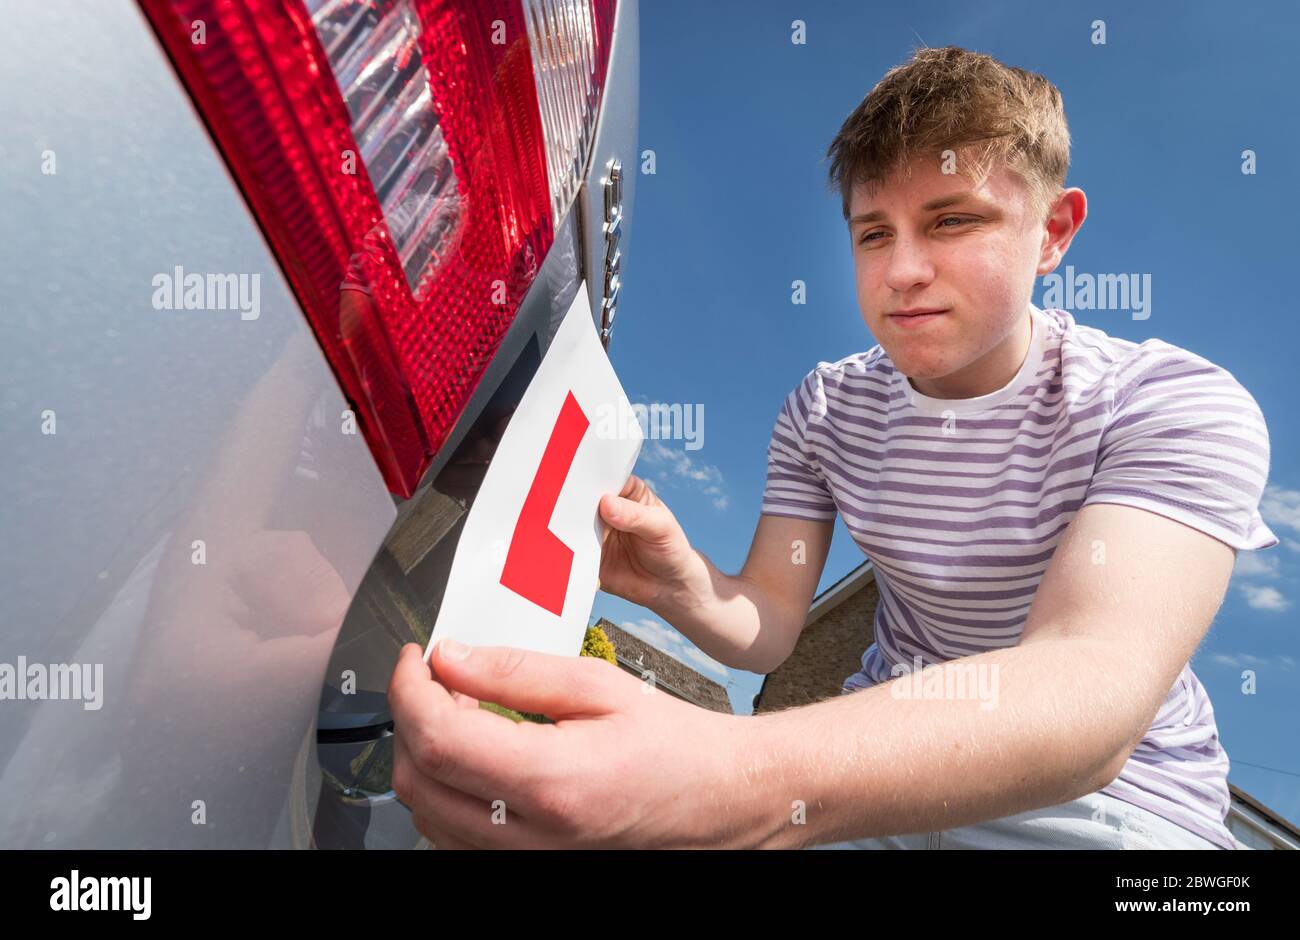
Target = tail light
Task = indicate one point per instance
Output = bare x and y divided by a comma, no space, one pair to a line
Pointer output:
409,161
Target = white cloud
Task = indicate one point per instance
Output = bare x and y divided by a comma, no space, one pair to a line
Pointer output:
1280,507
1255,565
706,662
653,632
1264,598
1246,660
706,478
1238,660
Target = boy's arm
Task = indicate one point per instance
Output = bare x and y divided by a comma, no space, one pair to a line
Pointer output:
1106,637
752,620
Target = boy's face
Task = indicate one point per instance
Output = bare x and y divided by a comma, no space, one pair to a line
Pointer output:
936,241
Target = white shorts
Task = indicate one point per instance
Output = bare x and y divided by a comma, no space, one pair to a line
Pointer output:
1095,821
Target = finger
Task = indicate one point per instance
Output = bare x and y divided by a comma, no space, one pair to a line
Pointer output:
471,749
525,680
653,523
633,488
639,491
413,690
607,507
437,838
452,819
464,701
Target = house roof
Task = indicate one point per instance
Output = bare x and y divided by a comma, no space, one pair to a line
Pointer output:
841,591
670,674
1273,818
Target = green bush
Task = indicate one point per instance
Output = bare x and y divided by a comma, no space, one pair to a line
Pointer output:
597,644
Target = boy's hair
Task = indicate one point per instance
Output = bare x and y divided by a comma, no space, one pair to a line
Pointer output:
967,102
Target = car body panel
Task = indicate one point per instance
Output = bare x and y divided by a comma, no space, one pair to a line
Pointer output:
201,524
171,427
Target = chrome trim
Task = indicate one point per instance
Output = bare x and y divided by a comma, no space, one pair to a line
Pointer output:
612,185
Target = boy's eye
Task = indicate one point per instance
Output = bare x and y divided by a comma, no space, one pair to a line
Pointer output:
870,236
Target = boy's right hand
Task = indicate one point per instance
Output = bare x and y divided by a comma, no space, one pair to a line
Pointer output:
645,557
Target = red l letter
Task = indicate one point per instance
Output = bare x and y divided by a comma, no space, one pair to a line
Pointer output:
538,564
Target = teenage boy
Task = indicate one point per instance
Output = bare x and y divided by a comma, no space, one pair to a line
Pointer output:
1052,514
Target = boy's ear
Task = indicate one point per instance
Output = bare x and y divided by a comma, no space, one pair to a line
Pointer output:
1064,220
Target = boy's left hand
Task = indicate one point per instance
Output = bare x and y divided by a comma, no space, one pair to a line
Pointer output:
624,765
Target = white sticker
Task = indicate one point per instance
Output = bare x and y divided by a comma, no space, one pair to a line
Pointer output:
528,560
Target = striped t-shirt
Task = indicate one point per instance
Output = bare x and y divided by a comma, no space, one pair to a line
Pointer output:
959,505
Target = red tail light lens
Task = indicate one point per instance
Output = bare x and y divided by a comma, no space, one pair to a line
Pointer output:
408,161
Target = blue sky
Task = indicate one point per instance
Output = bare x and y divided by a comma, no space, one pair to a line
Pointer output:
739,119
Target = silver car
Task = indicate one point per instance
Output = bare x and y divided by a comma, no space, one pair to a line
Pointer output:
278,272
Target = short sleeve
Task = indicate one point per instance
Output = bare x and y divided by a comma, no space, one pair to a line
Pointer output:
1187,441
796,485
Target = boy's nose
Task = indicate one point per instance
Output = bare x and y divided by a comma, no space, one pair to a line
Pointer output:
908,265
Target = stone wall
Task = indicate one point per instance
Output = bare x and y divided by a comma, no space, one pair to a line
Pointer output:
828,652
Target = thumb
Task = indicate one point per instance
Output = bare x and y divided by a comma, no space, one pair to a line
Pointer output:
529,681
653,523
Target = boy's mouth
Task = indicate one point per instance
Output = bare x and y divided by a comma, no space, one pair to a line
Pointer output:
916,316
